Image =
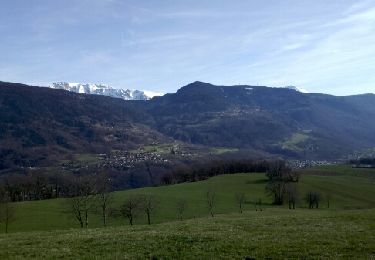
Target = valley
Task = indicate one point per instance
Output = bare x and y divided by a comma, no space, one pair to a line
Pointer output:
260,122
193,156
187,129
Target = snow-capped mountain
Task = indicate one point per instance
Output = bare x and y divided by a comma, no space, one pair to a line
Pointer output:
302,90
100,89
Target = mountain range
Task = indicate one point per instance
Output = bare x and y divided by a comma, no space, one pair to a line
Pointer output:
100,89
38,125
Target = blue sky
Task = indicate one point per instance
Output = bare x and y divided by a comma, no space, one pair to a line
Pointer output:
322,46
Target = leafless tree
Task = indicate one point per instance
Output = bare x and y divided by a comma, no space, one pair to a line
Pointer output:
328,199
279,175
7,210
181,205
103,196
149,204
292,195
276,188
83,200
130,207
240,199
313,199
211,201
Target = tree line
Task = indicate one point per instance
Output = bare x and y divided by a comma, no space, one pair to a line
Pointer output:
92,193
205,169
34,185
282,186
40,185
363,161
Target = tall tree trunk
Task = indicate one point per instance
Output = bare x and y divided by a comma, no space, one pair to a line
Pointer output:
104,216
131,220
148,217
86,219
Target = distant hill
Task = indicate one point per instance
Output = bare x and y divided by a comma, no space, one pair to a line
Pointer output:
277,120
39,123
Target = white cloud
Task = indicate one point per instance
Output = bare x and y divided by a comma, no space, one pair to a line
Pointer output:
290,47
337,56
160,39
323,46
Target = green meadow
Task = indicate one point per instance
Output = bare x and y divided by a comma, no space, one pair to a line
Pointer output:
346,188
344,230
270,234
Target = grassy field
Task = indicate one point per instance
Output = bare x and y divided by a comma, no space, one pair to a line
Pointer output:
272,234
294,141
223,150
347,190
345,230
335,170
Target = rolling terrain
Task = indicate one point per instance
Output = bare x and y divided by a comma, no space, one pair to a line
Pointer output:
41,126
347,188
344,230
272,234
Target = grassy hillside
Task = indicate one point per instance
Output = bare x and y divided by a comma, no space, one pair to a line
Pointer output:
272,234
348,189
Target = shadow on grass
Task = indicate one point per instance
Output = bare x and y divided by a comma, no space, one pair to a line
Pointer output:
259,181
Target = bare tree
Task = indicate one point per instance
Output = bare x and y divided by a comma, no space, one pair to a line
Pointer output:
130,207
328,199
181,205
7,210
313,199
76,204
211,201
240,199
276,188
279,175
103,196
292,195
317,200
83,199
149,204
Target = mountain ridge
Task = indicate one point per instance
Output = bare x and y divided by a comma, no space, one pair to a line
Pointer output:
101,89
278,121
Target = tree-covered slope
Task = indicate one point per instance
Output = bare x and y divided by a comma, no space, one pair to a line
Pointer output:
40,124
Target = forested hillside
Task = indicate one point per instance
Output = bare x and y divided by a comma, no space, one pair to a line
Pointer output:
40,125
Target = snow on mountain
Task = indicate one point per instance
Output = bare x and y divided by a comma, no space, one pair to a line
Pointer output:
152,94
302,90
105,90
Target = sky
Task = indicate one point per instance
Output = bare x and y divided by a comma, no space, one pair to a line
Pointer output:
161,45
